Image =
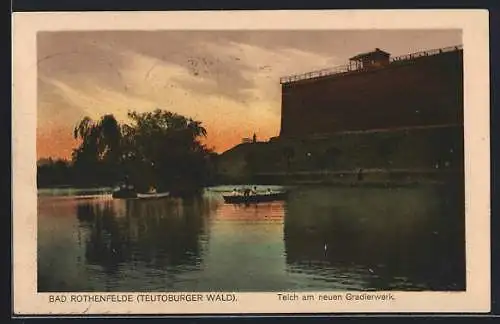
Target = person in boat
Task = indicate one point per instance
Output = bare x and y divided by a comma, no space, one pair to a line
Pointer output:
246,192
235,192
127,185
360,174
269,191
254,190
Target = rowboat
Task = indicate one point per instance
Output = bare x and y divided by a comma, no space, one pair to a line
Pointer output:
152,195
125,193
131,193
256,198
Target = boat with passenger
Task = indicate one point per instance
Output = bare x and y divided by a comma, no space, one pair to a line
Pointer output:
248,196
126,191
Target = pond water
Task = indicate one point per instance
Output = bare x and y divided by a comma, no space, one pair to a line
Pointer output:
320,238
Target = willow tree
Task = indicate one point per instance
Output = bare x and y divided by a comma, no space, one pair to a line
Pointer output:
99,154
167,148
159,148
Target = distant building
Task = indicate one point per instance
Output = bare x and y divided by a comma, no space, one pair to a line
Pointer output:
246,140
375,91
253,139
378,112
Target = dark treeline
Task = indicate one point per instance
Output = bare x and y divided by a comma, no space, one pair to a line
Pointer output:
157,149
54,172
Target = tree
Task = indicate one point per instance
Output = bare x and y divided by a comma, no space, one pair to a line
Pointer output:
97,157
159,148
168,148
53,172
100,140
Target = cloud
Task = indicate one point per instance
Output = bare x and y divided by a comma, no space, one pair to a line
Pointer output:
227,79
217,79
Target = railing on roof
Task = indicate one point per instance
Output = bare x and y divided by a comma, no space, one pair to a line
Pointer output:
351,68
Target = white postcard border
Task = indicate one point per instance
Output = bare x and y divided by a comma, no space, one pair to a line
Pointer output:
474,25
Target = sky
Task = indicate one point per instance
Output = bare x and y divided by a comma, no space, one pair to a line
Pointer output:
228,80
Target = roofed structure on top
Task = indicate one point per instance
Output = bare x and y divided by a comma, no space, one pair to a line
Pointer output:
373,54
370,59
362,61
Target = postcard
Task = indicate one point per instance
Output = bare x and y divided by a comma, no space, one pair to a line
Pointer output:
244,162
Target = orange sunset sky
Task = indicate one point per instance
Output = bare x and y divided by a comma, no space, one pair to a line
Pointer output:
229,80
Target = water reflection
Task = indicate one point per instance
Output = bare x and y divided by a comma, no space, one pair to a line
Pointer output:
402,239
319,239
246,250
159,233
159,239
